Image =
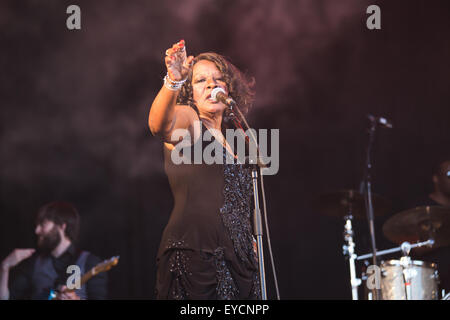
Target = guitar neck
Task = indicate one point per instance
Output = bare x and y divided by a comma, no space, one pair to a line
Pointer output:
87,276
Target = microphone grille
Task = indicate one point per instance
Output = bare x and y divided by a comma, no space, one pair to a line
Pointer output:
215,92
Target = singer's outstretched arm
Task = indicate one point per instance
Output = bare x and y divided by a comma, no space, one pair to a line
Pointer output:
165,115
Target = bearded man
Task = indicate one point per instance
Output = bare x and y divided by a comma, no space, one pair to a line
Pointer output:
40,272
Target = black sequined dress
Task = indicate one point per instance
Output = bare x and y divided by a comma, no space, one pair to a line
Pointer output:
206,250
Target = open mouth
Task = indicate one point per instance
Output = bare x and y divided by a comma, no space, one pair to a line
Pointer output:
211,100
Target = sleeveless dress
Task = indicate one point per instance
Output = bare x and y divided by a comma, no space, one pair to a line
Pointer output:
206,251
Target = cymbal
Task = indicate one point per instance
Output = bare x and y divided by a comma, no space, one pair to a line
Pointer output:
341,203
420,224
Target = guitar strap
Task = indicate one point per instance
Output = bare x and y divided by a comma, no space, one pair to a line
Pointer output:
81,263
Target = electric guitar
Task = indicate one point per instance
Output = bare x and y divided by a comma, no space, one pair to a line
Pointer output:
101,267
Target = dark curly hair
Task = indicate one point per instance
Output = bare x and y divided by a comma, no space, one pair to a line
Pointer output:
239,86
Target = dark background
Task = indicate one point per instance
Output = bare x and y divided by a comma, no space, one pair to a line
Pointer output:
74,108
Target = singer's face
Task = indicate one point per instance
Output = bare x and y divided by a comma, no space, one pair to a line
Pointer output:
206,77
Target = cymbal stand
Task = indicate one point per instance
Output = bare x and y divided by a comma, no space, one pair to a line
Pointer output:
349,252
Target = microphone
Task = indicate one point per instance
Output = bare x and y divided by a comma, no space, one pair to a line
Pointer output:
218,94
380,120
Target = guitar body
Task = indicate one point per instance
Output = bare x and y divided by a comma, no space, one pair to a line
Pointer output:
101,267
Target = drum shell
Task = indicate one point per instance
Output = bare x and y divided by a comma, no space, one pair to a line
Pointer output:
424,282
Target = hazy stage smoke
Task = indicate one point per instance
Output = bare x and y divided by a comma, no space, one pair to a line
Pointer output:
270,39
84,95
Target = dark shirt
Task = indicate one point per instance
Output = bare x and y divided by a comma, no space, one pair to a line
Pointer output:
20,284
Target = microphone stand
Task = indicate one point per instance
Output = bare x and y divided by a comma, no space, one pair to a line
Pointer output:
257,221
368,197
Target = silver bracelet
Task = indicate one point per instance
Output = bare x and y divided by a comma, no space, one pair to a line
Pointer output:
172,84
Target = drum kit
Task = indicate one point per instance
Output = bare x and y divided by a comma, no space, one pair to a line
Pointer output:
420,229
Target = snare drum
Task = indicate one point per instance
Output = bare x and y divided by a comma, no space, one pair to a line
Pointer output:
423,284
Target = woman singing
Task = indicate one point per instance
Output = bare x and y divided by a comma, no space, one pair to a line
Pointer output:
207,247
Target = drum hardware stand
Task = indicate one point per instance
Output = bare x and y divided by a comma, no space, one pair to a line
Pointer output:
349,251
406,264
404,245
407,275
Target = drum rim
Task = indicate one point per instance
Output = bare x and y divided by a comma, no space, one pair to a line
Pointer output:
419,263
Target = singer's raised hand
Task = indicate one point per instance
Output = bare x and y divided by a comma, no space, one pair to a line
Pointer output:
177,62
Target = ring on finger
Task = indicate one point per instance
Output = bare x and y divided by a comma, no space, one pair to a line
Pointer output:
167,52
